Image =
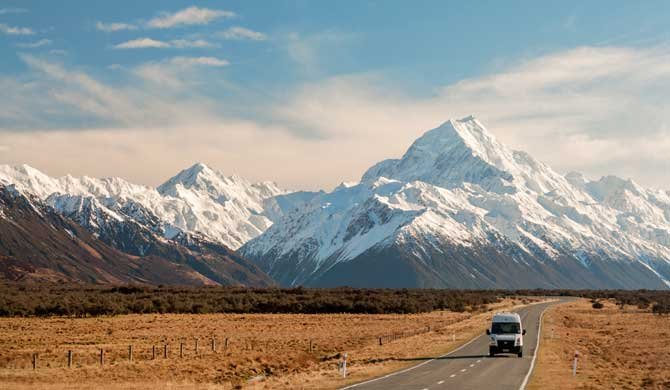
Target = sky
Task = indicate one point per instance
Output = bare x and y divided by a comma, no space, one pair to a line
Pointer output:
312,93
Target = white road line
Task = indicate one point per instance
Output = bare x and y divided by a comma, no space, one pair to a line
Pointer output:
537,346
479,361
472,365
464,370
452,375
440,382
413,367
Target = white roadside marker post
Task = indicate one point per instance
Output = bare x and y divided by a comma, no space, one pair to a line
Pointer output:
344,365
574,364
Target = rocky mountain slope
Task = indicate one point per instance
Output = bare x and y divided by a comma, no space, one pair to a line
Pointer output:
39,244
460,209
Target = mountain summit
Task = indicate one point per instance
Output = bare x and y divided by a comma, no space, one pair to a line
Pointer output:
460,209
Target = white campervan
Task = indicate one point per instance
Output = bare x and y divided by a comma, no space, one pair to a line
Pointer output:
506,334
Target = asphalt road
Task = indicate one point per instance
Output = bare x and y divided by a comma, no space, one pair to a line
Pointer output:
469,367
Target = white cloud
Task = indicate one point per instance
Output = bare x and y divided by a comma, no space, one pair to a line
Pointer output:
186,43
113,27
241,33
32,45
56,93
599,110
188,16
58,52
4,11
206,61
144,43
10,30
175,73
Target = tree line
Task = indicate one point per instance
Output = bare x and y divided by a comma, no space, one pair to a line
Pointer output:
96,300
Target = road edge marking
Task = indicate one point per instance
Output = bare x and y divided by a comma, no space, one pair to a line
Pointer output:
411,368
537,347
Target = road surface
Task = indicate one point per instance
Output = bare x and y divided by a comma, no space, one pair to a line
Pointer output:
469,367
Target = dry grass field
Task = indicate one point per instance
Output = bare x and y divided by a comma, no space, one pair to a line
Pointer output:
618,348
264,351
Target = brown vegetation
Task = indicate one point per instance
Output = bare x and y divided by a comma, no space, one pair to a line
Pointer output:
264,350
620,346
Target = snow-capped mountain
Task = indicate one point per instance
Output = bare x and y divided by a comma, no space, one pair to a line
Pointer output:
227,210
38,244
460,209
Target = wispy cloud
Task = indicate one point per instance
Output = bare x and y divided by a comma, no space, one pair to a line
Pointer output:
113,27
10,30
594,109
205,61
4,11
36,44
146,43
241,33
175,72
187,43
188,16
142,43
58,52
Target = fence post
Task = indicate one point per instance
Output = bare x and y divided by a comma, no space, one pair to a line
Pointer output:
165,351
102,357
153,352
310,345
574,364
130,353
196,345
181,349
69,358
213,345
225,346
380,341
34,361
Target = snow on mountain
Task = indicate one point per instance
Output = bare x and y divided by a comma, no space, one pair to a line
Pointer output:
458,188
224,209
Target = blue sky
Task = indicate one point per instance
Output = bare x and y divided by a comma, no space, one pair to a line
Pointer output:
283,90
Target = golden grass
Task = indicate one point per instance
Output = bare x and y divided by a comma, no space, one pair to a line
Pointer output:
264,351
618,349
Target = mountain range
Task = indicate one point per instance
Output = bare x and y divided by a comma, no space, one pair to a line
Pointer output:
458,209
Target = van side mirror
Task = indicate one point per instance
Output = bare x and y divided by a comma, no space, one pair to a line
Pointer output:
488,331
523,332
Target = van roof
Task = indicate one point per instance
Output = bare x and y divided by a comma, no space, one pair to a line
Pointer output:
506,317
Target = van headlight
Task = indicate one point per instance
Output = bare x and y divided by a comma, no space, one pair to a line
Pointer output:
492,340
518,341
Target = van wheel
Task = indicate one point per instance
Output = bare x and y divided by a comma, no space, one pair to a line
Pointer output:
492,351
520,353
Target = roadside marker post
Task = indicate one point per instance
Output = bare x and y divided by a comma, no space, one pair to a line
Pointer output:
343,365
34,361
574,364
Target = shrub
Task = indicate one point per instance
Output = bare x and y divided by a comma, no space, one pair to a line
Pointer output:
597,305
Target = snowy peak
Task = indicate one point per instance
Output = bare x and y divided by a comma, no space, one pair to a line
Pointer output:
457,152
204,180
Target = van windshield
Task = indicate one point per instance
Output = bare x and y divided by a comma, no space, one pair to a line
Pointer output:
505,327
